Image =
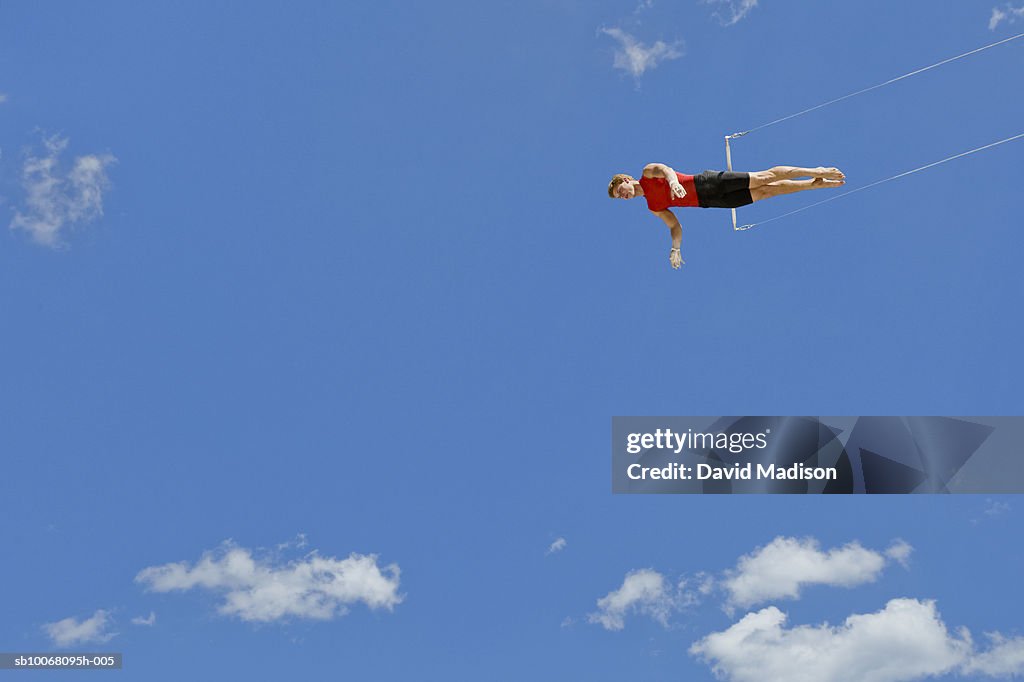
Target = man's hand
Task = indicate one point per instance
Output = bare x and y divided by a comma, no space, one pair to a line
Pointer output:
677,190
675,258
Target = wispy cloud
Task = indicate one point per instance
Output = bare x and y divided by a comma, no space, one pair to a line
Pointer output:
780,569
635,57
644,592
900,551
3,97
993,509
906,640
145,620
57,198
705,583
298,542
556,546
71,632
732,11
1007,13
262,589
1005,658
996,508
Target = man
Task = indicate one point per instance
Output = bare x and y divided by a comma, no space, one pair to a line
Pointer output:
662,187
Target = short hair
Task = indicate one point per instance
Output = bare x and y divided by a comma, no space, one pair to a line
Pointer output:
617,180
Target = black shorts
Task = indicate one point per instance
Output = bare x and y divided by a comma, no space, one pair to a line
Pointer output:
722,189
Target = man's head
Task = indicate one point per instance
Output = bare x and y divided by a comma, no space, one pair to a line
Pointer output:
621,187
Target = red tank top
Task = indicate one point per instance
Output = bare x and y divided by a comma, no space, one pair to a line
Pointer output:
659,194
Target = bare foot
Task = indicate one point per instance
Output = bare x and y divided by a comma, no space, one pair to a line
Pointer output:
829,173
822,183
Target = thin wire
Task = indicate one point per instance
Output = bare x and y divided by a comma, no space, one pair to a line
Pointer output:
875,87
879,182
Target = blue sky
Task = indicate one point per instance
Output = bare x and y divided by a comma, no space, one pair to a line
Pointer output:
336,290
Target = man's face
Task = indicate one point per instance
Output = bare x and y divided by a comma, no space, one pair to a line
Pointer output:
625,190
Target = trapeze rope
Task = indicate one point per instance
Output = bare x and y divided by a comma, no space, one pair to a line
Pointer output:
874,87
880,182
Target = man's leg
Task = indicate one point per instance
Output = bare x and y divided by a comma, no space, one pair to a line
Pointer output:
789,186
780,173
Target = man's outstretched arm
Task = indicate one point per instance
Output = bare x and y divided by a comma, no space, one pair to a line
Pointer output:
675,256
660,170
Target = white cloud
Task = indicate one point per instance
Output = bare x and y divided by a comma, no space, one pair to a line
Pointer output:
145,620
906,640
255,589
643,591
57,199
71,632
556,546
736,10
1007,13
785,565
1005,658
3,97
900,551
635,57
